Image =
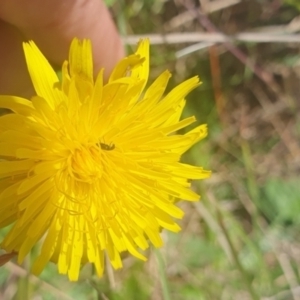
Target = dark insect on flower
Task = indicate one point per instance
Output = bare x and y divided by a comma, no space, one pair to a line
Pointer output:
107,147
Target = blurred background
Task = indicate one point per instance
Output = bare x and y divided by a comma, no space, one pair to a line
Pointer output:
241,241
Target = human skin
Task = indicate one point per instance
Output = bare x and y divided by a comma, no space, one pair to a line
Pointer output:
52,24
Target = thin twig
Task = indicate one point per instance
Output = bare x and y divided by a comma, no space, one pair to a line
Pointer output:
110,273
289,274
44,285
213,37
278,125
211,7
214,226
283,295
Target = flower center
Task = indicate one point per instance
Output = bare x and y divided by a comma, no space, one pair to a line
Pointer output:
85,164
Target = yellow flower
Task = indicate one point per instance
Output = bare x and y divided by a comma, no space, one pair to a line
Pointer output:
89,167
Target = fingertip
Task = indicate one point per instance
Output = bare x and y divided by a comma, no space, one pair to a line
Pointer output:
53,24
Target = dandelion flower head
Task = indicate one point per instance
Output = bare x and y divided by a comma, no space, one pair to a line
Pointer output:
89,168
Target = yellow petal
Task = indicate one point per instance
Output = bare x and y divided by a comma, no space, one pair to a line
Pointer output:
80,60
43,77
16,104
142,72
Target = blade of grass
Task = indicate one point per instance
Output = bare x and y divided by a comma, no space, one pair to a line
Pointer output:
239,266
162,275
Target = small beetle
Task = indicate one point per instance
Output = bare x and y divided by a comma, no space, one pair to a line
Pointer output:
107,147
